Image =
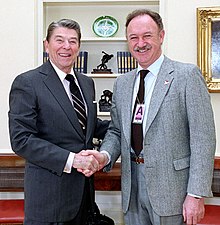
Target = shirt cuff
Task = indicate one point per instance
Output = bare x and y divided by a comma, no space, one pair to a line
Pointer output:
195,196
108,155
69,163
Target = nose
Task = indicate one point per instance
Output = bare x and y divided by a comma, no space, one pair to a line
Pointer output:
141,42
66,44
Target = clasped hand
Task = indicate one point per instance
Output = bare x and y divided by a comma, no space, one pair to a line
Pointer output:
89,161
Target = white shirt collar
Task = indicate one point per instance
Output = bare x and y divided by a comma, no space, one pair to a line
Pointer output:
60,73
155,67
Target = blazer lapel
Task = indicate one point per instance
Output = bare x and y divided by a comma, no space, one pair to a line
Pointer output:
126,104
162,85
55,86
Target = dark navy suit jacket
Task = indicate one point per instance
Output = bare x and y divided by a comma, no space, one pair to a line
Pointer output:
44,129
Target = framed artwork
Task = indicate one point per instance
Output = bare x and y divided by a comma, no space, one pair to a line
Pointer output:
208,40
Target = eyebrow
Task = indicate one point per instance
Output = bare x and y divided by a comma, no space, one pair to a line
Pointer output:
147,32
60,36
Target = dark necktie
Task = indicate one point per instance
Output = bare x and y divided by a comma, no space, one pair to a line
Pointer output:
77,101
137,128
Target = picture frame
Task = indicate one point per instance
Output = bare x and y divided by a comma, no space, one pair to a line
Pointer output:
208,49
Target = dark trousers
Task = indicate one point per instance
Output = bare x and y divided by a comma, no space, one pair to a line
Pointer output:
80,218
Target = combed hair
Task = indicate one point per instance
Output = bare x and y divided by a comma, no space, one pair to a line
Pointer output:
67,23
140,12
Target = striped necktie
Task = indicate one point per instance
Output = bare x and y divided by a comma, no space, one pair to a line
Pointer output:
137,128
77,101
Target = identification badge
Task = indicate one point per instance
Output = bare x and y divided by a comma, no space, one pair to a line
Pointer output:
139,114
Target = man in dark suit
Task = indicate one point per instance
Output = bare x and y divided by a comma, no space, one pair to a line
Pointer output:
46,131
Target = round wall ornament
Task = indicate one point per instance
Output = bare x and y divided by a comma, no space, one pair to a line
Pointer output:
105,26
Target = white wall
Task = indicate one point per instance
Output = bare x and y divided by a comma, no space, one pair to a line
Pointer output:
17,50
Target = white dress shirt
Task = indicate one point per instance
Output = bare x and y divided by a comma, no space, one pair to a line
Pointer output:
149,83
62,76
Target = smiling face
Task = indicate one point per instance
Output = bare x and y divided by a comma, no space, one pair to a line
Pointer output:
144,40
63,48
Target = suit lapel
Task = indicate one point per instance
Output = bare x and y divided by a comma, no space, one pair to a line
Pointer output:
127,104
55,86
162,86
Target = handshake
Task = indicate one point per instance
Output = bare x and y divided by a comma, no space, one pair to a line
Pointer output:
89,161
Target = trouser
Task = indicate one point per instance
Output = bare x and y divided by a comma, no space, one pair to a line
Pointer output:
81,216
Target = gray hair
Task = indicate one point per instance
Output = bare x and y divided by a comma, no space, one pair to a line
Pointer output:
67,23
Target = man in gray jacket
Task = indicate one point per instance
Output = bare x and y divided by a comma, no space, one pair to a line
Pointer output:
166,176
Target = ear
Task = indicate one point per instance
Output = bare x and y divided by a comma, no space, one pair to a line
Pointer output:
161,36
46,46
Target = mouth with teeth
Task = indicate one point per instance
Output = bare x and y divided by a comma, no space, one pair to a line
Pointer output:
64,54
143,49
